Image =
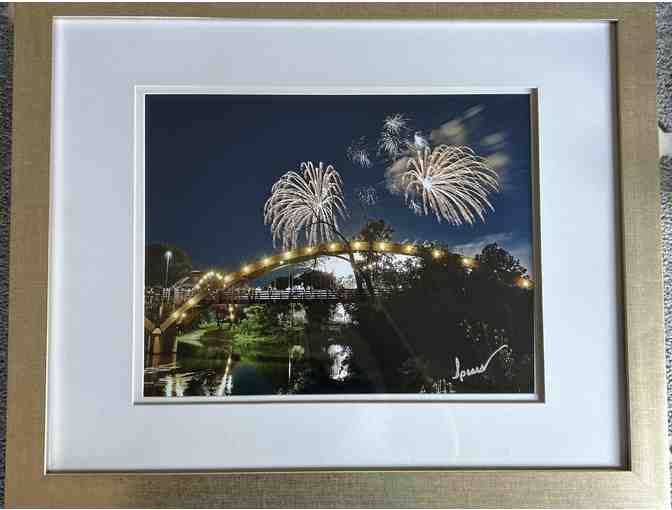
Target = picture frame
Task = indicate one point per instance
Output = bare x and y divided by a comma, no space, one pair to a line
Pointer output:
644,480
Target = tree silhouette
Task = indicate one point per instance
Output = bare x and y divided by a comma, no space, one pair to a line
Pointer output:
500,264
155,265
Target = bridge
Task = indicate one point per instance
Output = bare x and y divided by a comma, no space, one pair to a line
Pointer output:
249,271
255,296
253,270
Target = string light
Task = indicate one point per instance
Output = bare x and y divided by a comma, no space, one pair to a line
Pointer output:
467,262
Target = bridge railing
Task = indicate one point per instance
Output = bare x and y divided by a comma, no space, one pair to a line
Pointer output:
161,301
243,296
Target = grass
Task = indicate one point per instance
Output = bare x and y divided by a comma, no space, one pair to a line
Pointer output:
208,341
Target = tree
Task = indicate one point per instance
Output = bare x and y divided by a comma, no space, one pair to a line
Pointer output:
500,264
375,230
445,312
155,265
317,279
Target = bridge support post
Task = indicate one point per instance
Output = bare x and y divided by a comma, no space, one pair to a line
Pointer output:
156,341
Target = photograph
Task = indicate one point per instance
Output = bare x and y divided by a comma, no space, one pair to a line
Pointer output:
340,244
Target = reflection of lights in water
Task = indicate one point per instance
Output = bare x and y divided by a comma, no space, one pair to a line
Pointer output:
340,314
226,384
168,389
180,386
442,386
176,385
339,355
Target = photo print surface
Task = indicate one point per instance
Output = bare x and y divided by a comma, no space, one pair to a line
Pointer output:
339,245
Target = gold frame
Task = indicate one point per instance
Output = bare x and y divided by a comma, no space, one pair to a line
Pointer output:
643,482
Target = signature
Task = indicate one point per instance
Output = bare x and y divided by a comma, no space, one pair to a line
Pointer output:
461,374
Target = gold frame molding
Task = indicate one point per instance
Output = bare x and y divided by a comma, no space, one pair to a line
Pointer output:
642,482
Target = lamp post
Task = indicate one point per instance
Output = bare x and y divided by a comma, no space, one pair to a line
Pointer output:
168,255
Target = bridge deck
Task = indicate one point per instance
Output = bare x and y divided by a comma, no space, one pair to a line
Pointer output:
242,297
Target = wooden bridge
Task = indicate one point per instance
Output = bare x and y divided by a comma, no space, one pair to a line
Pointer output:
256,296
258,268
223,285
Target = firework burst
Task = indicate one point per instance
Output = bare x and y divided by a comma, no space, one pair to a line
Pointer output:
413,206
367,196
308,201
392,141
391,144
359,153
395,123
451,182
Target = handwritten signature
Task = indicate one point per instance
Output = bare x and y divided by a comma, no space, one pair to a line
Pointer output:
461,374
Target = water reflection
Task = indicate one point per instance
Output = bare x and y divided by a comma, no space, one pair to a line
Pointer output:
182,374
339,355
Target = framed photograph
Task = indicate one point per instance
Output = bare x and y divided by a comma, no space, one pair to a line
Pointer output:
401,266
336,255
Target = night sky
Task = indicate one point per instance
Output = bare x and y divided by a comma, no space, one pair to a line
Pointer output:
212,159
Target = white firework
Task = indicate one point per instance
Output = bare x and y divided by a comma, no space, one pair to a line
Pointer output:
359,154
392,141
367,196
419,141
451,182
395,123
391,144
413,206
308,201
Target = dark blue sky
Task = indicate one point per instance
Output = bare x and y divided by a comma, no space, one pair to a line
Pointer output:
212,159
